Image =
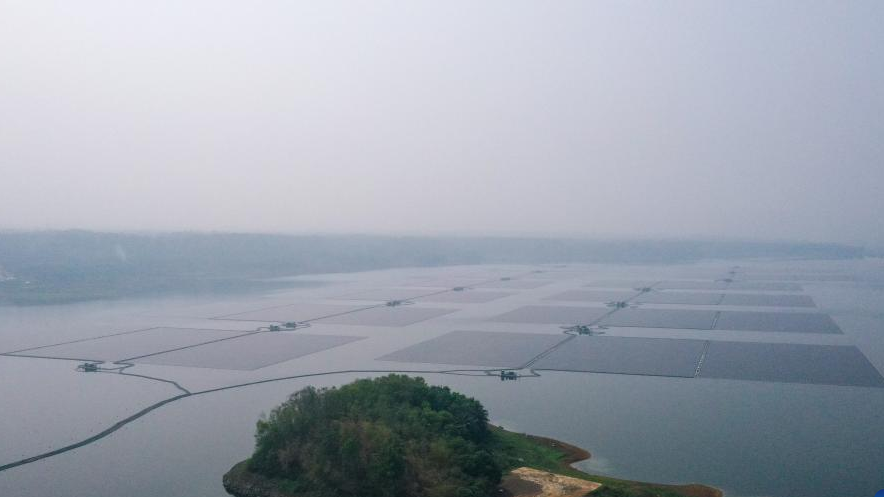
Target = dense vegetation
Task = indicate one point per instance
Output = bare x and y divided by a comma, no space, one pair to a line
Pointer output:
393,436
66,266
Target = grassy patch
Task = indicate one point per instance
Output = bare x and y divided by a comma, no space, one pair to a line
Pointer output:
513,450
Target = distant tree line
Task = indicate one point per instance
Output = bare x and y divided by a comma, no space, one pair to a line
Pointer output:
62,266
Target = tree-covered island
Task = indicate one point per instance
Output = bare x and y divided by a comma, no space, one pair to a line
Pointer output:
396,436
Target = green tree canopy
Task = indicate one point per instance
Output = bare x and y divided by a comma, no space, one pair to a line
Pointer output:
393,436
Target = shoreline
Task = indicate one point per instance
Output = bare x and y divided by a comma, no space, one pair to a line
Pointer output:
573,454
240,482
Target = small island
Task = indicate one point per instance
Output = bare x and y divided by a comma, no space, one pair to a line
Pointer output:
396,436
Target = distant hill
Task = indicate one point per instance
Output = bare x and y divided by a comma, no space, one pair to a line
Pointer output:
66,266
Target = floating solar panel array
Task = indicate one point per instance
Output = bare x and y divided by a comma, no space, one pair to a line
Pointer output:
691,285
788,362
386,294
798,277
685,358
464,297
693,319
726,285
661,318
250,352
788,322
626,355
478,348
519,284
687,298
293,312
553,314
593,295
133,344
767,299
780,286
369,315
445,283
560,274
386,316
622,283
772,362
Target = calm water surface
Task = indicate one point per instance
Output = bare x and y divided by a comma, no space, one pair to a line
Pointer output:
748,438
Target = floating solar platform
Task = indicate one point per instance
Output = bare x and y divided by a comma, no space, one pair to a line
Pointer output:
444,283
691,285
560,275
248,353
788,322
464,297
553,314
383,315
783,286
387,294
798,277
794,363
293,312
478,348
621,283
593,295
768,299
626,355
127,345
517,284
661,318
723,285
688,298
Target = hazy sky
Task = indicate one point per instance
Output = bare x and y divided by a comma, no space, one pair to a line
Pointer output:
678,119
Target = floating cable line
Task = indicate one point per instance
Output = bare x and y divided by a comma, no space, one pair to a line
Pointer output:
94,438
77,341
123,422
96,367
124,361
587,326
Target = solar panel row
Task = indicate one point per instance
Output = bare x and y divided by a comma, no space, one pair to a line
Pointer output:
787,322
687,298
796,363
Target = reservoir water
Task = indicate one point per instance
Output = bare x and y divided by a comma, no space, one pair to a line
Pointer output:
749,438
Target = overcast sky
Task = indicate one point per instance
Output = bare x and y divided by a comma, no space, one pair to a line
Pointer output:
668,119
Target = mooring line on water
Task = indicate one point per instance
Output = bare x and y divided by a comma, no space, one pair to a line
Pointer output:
80,340
123,422
94,438
241,335
122,371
